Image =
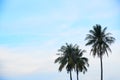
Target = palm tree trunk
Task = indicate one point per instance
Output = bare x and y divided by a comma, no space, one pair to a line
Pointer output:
70,75
101,63
77,75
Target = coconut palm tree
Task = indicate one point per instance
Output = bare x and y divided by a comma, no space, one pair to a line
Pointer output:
71,57
100,42
66,58
81,63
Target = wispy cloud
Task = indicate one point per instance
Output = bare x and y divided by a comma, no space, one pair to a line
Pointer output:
16,62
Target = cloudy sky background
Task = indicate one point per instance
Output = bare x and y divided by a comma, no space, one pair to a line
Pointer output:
31,32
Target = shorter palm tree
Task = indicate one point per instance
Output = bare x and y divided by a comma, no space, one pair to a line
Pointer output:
71,57
81,63
66,58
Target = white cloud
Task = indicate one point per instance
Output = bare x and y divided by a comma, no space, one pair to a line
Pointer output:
17,63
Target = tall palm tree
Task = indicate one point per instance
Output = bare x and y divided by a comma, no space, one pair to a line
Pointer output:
100,42
66,58
81,63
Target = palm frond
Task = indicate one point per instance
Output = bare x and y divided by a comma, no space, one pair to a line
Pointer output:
57,60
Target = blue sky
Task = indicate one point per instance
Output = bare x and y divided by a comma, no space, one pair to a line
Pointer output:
31,32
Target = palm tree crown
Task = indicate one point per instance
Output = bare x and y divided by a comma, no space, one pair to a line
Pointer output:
100,40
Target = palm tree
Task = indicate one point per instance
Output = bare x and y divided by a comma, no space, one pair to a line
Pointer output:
81,63
100,42
71,57
66,58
